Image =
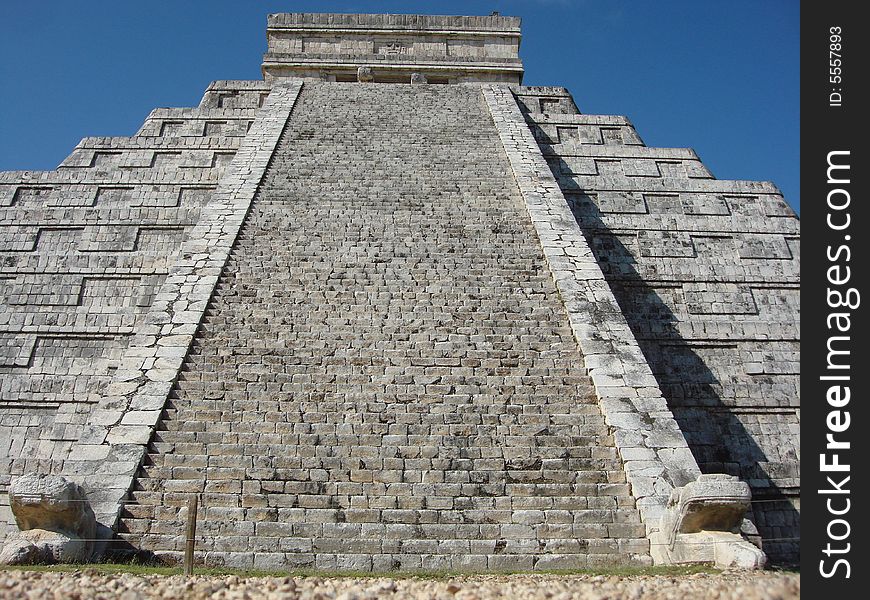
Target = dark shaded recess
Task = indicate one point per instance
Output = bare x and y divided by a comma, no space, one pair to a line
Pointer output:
717,438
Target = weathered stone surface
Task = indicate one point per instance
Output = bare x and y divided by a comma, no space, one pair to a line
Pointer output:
39,546
739,554
707,275
622,378
20,551
55,520
712,502
85,250
514,327
703,524
427,414
449,49
51,502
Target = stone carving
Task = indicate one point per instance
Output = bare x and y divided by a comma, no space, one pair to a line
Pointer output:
418,78
365,74
393,48
55,520
703,524
305,45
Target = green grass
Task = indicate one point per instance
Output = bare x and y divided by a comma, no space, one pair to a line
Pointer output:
139,569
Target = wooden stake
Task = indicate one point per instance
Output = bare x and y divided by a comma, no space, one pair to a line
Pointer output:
191,534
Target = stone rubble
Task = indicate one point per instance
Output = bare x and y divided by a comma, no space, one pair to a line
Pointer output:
87,585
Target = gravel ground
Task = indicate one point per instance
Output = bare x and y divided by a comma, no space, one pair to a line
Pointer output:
81,585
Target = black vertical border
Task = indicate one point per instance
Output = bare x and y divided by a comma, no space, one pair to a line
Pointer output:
826,128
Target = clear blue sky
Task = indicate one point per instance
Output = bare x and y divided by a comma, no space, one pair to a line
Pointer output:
720,77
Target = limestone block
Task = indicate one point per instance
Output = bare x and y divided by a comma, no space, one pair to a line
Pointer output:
56,521
739,555
39,546
397,493
712,502
703,523
51,502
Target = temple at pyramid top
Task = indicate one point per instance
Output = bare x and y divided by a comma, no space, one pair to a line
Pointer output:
393,48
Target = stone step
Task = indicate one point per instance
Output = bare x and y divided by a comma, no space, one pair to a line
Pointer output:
354,538
563,511
273,557
520,435
553,522
386,358
576,458
588,511
415,484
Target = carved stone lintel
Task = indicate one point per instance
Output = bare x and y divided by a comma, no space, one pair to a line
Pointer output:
703,523
364,74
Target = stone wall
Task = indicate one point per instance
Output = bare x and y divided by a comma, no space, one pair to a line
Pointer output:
655,454
85,250
386,376
445,48
707,273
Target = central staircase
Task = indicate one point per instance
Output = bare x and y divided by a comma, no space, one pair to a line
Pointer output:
385,377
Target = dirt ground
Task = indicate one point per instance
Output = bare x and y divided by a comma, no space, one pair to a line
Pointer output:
91,584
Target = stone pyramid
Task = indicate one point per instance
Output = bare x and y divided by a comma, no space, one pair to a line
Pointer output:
387,308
